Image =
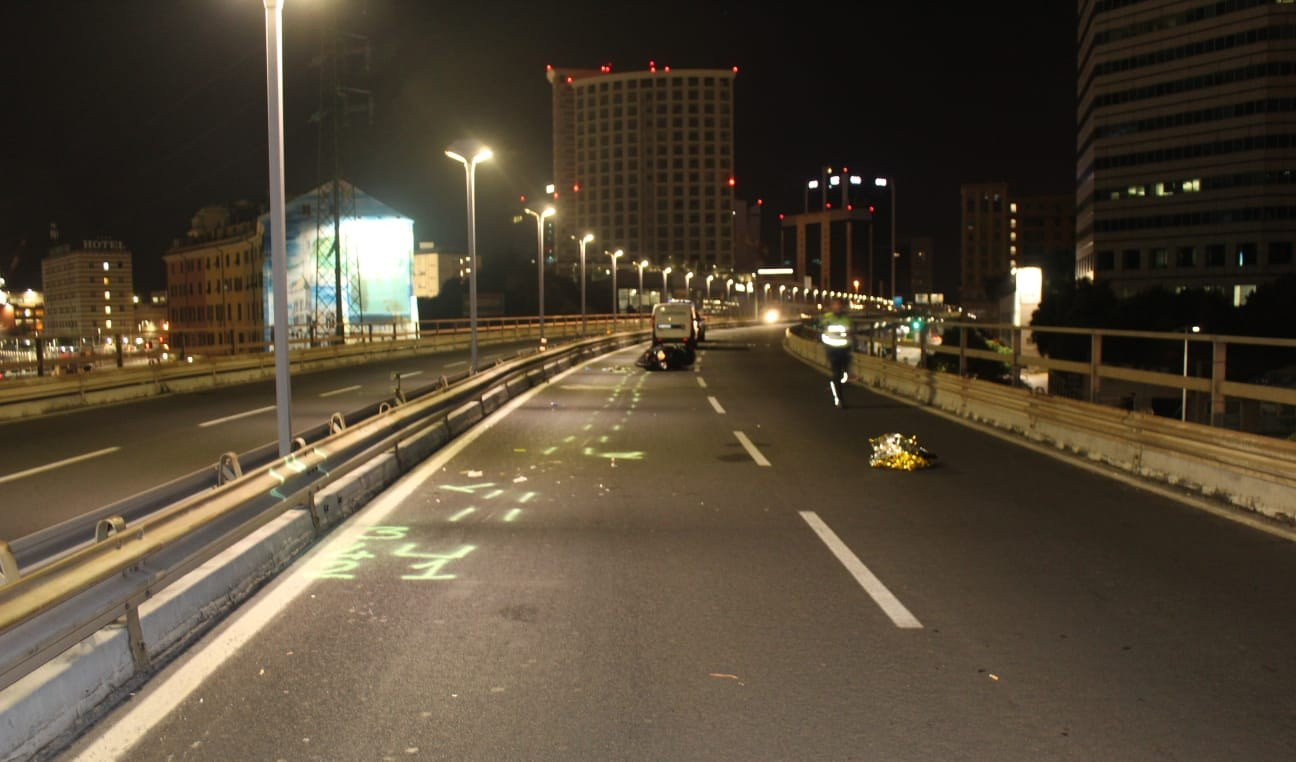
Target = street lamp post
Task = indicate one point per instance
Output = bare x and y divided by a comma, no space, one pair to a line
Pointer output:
687,277
278,238
666,271
479,153
639,303
709,278
615,256
1183,399
728,289
889,182
585,239
540,218
782,289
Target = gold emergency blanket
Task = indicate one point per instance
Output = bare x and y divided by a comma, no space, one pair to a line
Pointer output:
899,452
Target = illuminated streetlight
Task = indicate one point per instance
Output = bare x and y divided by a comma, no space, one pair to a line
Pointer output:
1183,399
540,218
728,289
278,237
479,153
615,255
889,182
666,271
687,277
782,288
639,303
583,240
709,278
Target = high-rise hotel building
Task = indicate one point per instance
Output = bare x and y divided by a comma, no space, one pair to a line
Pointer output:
1186,144
644,161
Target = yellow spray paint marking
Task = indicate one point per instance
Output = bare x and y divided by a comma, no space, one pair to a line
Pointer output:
526,497
570,439
634,455
513,514
603,439
465,513
493,494
548,451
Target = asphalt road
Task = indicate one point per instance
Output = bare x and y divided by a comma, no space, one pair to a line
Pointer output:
60,466
607,571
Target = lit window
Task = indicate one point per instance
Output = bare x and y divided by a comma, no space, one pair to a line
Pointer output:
107,324
107,294
107,309
1192,186
1011,207
105,265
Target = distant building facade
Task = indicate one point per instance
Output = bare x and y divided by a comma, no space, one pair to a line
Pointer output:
22,313
433,268
1002,231
214,296
88,290
1186,158
645,161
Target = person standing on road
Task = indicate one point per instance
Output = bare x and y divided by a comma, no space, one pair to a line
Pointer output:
835,333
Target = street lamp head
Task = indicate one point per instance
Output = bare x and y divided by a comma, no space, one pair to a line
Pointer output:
587,238
880,182
642,264
468,152
668,270
549,211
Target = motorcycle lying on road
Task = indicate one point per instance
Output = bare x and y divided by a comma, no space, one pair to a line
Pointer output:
674,337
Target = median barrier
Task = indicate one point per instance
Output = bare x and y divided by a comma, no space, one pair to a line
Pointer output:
1245,471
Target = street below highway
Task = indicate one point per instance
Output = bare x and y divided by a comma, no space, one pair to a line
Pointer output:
700,565
58,467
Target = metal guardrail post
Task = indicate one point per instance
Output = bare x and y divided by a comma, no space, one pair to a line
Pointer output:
1095,360
228,468
1219,352
1015,378
962,351
8,565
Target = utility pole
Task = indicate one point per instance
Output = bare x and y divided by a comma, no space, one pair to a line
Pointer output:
343,59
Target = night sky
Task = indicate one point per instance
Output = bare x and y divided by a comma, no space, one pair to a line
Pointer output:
124,117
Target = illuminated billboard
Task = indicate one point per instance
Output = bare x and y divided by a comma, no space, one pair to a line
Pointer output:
377,264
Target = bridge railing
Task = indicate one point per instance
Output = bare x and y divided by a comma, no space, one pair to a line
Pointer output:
1244,383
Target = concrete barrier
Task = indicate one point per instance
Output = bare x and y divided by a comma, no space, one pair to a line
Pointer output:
1245,471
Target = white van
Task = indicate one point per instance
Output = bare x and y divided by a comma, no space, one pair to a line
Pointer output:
674,336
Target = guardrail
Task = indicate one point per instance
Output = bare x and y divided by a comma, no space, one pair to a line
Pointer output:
1247,471
39,395
49,609
1205,390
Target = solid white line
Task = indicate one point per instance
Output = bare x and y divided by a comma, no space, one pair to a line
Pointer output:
453,364
169,689
411,374
343,390
889,604
751,449
57,464
701,382
715,403
258,411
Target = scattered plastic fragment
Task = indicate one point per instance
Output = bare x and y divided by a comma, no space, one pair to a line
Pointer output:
474,474
724,676
994,677
519,479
